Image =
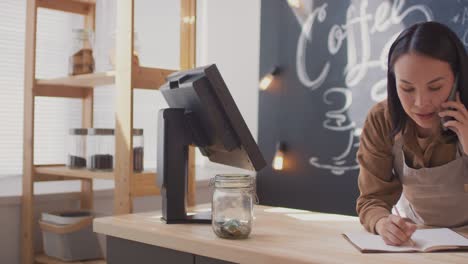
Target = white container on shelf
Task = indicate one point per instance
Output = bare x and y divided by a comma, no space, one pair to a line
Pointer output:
69,236
65,217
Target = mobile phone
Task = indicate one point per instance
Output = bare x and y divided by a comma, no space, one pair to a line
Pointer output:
452,97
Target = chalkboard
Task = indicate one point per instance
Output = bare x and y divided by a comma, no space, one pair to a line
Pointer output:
332,57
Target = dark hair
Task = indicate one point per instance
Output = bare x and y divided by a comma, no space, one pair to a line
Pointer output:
434,40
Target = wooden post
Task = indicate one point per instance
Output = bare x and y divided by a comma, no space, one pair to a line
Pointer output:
187,61
124,108
86,197
27,199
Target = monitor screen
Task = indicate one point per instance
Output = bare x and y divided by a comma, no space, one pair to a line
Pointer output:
217,124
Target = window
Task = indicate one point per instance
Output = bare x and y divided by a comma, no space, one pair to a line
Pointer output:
53,115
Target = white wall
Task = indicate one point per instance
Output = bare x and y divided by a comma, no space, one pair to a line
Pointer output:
228,35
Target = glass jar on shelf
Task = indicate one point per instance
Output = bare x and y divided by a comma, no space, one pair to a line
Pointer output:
232,205
100,149
76,148
81,60
138,150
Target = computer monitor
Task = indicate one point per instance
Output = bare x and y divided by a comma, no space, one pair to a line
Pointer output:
202,113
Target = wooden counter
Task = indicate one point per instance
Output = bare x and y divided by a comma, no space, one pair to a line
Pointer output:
279,235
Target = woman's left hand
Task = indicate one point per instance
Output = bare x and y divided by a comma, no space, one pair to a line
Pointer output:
459,124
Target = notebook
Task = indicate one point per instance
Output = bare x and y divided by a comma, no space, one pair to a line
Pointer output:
426,240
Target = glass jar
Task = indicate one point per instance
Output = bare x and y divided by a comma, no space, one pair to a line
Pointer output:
81,58
232,205
100,149
76,148
138,147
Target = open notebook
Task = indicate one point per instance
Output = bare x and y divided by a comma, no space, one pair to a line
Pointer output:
426,240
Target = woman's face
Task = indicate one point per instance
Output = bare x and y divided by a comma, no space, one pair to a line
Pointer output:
423,84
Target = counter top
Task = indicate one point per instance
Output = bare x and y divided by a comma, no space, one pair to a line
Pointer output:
279,235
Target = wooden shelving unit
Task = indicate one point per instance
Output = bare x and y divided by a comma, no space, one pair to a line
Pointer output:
126,77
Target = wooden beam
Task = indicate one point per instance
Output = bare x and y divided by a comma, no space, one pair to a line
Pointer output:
61,91
187,61
188,33
62,170
27,199
149,78
44,178
124,108
90,18
82,80
144,184
81,7
143,78
87,119
87,195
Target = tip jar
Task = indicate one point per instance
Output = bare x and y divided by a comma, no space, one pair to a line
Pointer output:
232,205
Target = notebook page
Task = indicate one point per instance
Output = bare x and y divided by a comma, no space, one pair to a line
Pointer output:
438,237
368,241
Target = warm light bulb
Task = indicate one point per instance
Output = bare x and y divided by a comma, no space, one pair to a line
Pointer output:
294,3
266,81
268,78
278,160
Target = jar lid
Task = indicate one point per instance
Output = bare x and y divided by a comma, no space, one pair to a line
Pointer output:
234,181
138,131
78,131
101,131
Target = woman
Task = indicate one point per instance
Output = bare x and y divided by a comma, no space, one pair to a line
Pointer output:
405,154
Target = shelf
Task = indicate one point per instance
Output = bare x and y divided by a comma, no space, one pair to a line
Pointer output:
43,171
83,80
44,259
82,7
144,78
142,183
47,173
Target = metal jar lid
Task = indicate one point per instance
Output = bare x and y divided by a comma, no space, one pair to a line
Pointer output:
78,131
101,131
234,181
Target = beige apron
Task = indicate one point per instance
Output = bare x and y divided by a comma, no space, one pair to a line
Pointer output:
433,196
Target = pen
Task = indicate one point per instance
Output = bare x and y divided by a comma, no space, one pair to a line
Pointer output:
398,213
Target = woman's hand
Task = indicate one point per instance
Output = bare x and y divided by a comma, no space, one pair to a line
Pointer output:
395,230
460,123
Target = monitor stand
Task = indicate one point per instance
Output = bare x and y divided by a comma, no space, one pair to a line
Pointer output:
177,130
